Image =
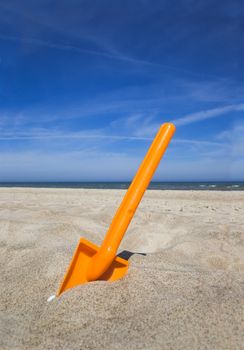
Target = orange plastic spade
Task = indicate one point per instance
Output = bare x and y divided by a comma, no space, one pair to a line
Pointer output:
91,263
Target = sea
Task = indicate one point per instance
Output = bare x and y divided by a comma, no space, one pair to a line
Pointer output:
196,186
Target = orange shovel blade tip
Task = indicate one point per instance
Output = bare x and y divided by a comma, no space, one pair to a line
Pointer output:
77,271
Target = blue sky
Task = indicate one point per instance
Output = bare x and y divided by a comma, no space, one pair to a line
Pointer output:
84,86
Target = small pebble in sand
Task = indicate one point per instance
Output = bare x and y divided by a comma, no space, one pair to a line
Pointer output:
51,298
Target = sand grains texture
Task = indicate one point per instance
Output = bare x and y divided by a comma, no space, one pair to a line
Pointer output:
187,292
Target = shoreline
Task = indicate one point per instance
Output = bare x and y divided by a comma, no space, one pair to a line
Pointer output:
154,185
120,189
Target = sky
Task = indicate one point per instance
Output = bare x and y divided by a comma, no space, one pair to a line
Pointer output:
84,86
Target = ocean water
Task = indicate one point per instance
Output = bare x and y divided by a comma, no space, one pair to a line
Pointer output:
199,186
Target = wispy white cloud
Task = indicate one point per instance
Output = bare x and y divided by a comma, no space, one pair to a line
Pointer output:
141,107
139,125
109,52
49,113
94,134
207,114
237,128
200,159
101,165
235,140
66,47
68,136
79,166
135,127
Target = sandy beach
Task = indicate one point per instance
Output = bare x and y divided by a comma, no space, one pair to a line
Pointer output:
184,288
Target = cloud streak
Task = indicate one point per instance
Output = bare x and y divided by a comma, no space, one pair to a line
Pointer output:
208,114
65,47
110,53
88,135
103,166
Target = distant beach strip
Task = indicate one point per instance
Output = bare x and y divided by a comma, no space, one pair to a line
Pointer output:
196,186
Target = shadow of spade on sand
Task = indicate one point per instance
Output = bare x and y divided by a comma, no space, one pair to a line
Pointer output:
126,254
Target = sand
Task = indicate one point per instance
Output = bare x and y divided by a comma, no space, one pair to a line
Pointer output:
184,289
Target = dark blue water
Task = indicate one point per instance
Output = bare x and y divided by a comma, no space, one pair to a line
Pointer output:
199,186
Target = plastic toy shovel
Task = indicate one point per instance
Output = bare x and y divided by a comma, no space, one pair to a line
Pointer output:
90,262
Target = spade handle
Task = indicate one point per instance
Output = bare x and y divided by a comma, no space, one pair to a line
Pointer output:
101,261
137,188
